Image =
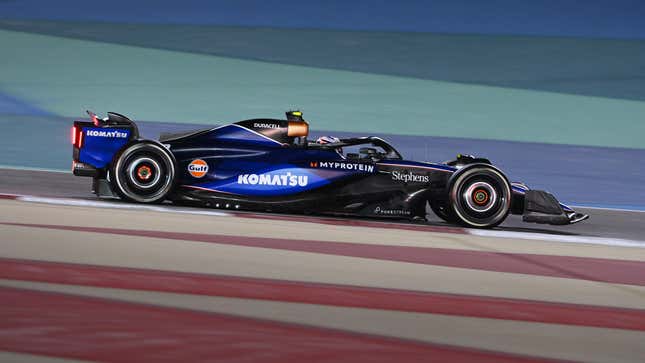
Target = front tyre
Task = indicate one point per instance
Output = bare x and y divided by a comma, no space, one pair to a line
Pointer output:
143,172
479,196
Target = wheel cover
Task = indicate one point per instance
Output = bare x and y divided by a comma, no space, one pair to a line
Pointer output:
144,173
481,197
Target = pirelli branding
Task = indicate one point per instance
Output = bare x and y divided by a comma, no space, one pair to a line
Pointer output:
342,166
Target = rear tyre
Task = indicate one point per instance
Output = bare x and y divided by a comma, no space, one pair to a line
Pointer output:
479,196
143,172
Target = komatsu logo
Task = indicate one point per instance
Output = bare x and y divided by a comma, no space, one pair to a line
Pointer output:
409,177
343,166
103,133
273,179
259,125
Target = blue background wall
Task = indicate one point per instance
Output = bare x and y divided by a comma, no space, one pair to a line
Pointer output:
585,18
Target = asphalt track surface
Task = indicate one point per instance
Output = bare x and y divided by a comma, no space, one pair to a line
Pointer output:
603,222
90,283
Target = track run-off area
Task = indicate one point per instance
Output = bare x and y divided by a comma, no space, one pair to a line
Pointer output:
104,280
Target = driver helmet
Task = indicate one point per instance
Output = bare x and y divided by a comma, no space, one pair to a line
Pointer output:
329,140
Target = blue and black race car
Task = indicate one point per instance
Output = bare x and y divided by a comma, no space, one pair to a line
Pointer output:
270,165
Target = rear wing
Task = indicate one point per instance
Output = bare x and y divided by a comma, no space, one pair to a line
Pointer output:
95,143
114,119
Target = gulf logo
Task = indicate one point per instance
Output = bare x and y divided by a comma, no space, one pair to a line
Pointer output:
198,168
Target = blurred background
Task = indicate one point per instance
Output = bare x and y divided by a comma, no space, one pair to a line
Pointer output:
552,91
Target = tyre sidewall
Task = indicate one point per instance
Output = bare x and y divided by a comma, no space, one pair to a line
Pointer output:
119,166
466,216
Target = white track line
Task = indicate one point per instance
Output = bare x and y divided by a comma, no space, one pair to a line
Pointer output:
31,168
122,205
611,209
615,242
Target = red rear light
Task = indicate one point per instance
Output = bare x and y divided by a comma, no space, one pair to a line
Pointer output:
77,136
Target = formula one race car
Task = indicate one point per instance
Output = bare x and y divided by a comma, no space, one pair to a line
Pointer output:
269,165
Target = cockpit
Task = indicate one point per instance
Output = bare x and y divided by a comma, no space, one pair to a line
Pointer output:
294,131
362,148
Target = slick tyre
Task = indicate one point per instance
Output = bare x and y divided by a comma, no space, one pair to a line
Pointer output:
479,196
144,173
